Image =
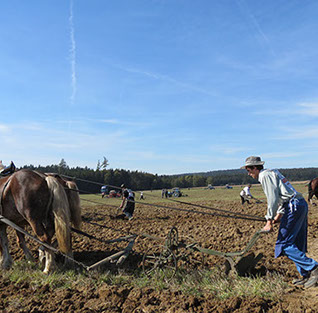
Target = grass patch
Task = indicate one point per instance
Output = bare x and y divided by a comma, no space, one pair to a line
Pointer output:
223,287
29,273
193,195
193,283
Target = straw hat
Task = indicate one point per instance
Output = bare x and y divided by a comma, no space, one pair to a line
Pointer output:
253,161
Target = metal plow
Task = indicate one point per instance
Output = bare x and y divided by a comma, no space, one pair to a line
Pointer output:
162,259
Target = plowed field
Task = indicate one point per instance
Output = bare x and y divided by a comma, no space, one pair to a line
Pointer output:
213,232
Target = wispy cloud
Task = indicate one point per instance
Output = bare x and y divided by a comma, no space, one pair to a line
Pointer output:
298,133
279,155
309,108
4,128
228,150
166,79
284,109
123,122
272,111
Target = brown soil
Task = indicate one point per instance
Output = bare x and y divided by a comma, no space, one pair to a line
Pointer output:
217,233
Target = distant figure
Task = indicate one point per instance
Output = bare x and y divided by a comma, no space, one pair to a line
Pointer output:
166,193
142,196
163,193
245,194
128,202
103,191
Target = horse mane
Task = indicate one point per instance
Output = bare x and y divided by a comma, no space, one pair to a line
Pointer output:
75,204
60,209
74,200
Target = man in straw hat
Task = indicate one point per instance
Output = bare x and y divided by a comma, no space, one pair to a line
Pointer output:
287,206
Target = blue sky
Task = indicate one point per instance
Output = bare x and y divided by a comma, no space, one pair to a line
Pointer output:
160,86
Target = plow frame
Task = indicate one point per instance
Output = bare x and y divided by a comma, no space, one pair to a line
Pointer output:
164,258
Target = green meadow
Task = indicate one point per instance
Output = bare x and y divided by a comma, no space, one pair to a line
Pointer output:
191,195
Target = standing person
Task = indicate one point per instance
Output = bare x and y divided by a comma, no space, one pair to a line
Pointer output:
245,194
142,196
287,206
128,202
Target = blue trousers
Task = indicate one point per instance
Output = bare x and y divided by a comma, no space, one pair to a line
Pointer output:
292,236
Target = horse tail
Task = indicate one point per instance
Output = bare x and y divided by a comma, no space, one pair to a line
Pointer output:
61,212
310,186
75,204
310,191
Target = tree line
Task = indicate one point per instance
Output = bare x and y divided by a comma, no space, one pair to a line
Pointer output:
90,180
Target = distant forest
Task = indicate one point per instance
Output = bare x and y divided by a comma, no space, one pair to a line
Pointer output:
90,180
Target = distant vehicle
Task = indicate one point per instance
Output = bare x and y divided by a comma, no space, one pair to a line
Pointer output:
114,194
176,192
110,193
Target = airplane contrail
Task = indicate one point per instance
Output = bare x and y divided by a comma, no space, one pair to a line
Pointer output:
72,55
253,21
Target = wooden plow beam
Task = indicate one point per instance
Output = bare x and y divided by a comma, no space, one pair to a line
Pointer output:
119,256
21,230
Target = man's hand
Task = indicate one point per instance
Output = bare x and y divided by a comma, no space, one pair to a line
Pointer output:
269,226
277,218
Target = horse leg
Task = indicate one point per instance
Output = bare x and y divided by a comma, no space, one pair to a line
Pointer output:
6,257
1,258
49,262
42,252
22,244
46,237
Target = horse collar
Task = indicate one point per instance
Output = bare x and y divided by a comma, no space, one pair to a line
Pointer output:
2,191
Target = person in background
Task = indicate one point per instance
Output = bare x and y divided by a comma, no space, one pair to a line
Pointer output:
142,196
245,194
288,207
128,202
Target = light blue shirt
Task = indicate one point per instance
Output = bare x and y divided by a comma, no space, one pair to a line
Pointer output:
277,190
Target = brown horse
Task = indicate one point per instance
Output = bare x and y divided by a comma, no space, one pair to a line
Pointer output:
74,202
29,198
312,189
